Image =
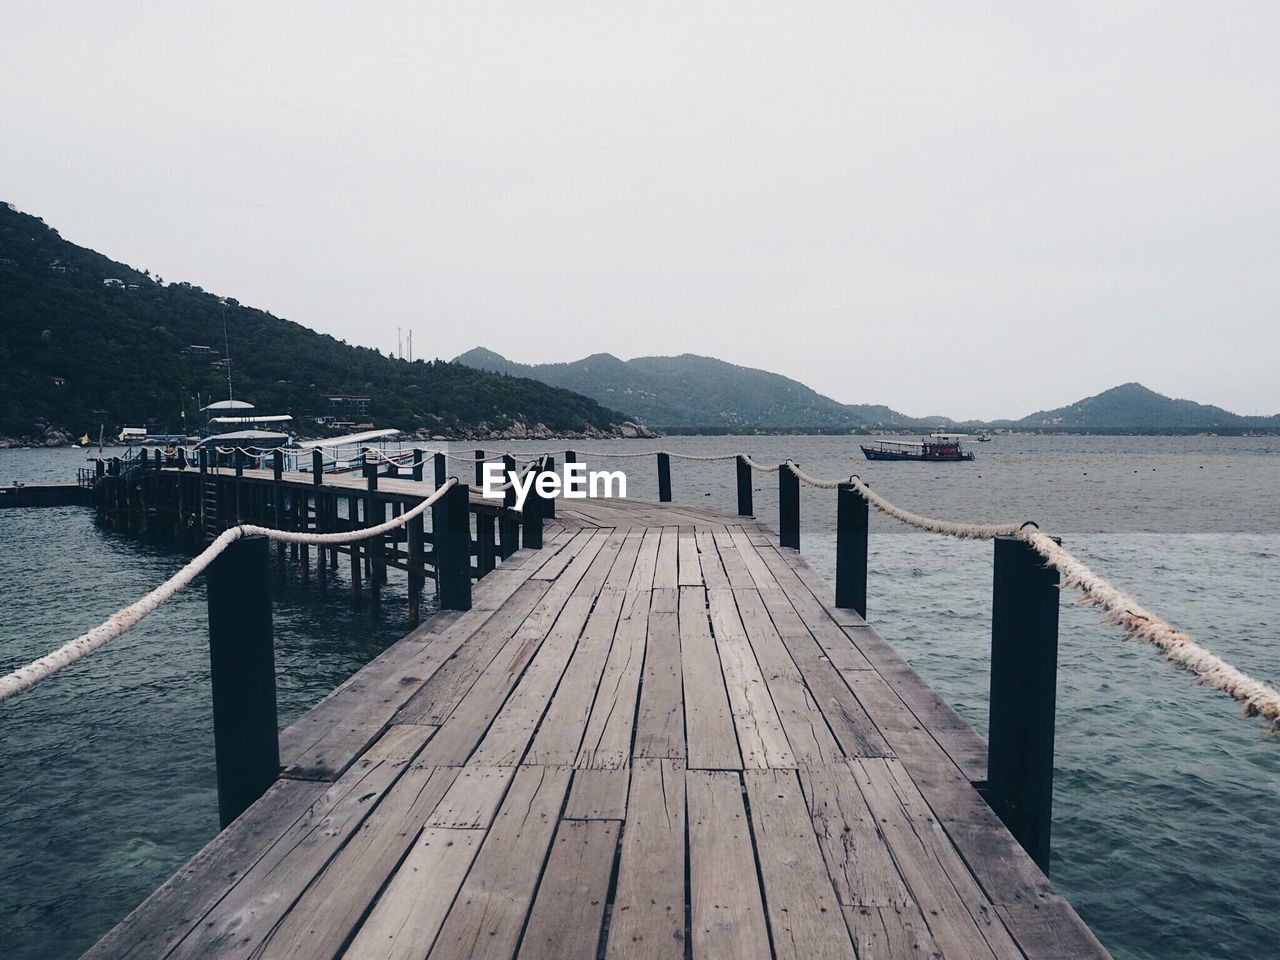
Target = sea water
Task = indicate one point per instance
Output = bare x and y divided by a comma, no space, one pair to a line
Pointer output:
1165,809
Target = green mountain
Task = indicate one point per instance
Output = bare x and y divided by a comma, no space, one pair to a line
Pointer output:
693,391
85,340
1133,406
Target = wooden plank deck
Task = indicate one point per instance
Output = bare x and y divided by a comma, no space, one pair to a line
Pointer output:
652,738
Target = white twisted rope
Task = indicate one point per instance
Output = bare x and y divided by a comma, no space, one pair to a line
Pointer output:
812,481
758,466
24,678
1177,646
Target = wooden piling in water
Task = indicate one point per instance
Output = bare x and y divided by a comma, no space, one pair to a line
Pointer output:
788,507
852,522
242,670
664,478
1024,673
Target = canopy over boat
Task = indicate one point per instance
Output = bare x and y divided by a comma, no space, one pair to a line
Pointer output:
256,438
227,405
273,418
350,438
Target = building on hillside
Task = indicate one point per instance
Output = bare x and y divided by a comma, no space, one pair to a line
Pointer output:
113,282
349,408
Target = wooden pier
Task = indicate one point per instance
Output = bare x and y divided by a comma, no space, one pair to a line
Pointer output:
652,737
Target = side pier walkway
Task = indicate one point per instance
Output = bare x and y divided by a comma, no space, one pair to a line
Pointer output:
652,738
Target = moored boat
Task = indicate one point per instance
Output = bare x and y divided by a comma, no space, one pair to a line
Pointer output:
938,448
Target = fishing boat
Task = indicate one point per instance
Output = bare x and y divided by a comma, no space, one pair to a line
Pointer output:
938,448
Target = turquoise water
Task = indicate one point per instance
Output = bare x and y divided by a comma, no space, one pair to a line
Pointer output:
1165,832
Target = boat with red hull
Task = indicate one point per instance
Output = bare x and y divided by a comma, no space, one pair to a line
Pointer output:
939,448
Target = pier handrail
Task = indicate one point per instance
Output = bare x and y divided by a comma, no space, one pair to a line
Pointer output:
24,678
1177,646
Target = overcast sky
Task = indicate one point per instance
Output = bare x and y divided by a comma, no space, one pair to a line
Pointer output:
975,209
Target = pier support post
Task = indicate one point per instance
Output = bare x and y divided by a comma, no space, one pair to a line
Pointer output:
788,506
485,533
418,457
451,531
508,524
531,521
440,467
416,578
374,514
480,469
548,503
664,478
277,465
243,671
745,508
317,467
1024,674
182,458
852,520
353,523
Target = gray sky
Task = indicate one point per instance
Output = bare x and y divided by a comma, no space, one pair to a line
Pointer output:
965,209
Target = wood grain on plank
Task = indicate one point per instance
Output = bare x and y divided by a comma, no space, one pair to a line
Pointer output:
711,741
565,922
648,921
489,912
660,721
727,912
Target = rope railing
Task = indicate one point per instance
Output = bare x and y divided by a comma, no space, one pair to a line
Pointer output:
24,678
1177,646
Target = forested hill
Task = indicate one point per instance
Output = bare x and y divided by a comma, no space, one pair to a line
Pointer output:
70,346
694,391
1133,406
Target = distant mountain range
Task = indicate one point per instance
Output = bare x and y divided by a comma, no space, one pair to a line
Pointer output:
689,392
694,391
1133,406
87,341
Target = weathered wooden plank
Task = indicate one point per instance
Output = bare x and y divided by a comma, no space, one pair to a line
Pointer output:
709,558
322,920
858,860
646,565
567,915
648,921
688,562
960,917
727,914
559,736
964,745
437,698
408,916
804,915
472,799
760,735
606,741
808,735
849,722
490,909
598,794
888,933
712,743
666,572
660,720
509,735
731,559
470,719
